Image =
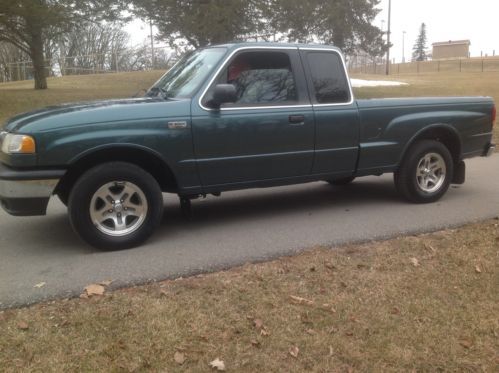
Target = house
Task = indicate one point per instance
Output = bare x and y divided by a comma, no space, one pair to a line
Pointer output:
451,49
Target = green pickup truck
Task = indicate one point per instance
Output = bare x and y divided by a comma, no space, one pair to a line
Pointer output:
230,117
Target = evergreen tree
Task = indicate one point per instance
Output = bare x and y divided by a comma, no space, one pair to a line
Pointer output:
419,49
200,22
345,23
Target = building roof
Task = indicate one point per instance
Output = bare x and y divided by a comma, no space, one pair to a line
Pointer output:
451,42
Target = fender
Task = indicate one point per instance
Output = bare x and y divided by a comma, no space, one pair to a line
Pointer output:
114,147
436,127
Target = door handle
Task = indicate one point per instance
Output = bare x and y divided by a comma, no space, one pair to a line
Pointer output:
297,120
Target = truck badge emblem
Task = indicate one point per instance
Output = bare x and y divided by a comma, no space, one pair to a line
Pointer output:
177,125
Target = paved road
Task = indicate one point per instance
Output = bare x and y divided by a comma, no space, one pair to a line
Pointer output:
236,228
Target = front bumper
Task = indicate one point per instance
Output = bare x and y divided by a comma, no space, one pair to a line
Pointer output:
27,192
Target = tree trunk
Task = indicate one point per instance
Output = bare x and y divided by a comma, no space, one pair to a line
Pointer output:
339,40
37,56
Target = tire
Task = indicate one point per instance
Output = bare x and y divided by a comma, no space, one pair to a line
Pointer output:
343,181
115,206
425,173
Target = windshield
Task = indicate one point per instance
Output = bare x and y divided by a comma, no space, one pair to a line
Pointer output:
188,74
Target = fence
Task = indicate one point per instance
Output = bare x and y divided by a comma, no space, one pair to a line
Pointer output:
125,60
481,65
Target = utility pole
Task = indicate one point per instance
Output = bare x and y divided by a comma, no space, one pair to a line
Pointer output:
403,46
152,45
388,37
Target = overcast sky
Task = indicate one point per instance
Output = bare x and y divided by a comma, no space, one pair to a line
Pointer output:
475,20
446,20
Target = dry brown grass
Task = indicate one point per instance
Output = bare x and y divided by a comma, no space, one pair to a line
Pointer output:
18,97
366,308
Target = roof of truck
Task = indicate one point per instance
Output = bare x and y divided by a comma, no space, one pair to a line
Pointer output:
274,45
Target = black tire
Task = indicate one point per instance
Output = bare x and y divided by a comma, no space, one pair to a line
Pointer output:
410,183
343,181
145,191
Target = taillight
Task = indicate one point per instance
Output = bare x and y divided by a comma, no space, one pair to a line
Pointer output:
494,113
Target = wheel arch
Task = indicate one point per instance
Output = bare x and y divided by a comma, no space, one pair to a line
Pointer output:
145,158
444,133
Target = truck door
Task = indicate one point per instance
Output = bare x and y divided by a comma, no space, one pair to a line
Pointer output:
268,133
336,115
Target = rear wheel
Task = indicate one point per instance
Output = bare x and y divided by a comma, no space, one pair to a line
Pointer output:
425,174
115,206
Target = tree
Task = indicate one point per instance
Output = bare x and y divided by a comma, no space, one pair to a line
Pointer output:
344,23
93,47
28,24
200,22
419,49
9,55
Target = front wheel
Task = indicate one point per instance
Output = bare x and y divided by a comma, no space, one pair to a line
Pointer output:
425,174
115,206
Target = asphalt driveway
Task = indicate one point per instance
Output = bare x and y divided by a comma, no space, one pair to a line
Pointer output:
236,228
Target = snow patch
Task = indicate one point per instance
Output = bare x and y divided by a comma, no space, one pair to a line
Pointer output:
357,83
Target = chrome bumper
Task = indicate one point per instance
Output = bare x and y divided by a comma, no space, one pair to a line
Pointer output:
27,192
27,188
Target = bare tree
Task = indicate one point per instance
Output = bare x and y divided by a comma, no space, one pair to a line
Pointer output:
92,48
12,62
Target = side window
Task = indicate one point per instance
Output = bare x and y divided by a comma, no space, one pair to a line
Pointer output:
328,77
260,78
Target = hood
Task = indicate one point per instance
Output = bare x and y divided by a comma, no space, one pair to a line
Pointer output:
93,112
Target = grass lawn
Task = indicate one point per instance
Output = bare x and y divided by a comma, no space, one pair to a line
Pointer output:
18,97
419,303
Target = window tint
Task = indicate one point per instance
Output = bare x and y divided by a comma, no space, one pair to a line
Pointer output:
328,77
260,78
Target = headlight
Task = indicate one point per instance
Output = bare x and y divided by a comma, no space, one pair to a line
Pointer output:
17,144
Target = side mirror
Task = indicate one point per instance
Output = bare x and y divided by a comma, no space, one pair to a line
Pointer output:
223,94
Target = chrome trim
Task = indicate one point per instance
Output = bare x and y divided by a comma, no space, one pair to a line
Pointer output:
223,66
325,48
27,188
262,107
352,99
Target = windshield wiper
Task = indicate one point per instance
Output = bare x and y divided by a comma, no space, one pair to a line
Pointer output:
157,91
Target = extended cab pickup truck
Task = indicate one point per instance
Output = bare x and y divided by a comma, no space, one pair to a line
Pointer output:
229,117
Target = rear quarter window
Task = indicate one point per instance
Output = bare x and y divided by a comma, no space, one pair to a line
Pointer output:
329,82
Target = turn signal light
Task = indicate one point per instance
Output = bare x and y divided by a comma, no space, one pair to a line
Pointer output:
18,144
